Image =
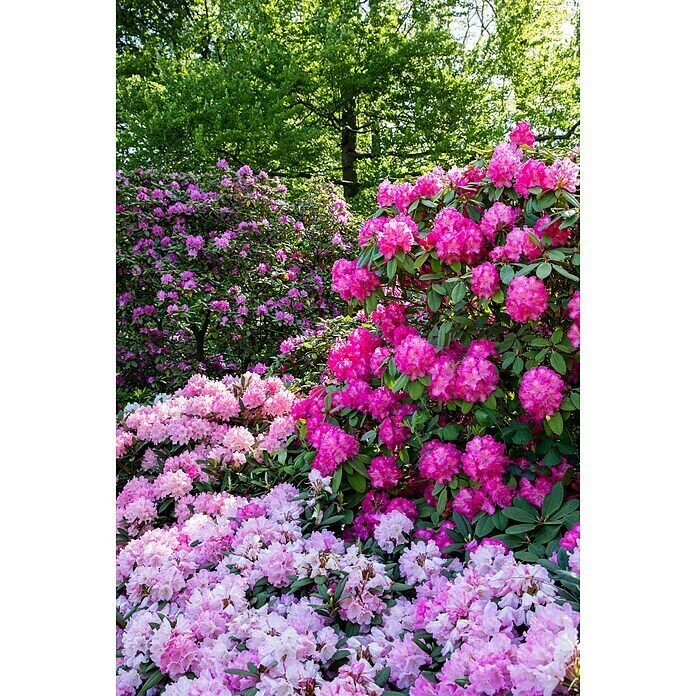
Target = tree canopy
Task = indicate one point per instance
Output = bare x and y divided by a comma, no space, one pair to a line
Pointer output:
345,89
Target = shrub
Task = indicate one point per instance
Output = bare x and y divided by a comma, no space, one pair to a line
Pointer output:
257,597
209,435
214,271
463,395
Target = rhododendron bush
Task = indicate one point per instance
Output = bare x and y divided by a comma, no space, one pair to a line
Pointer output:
203,437
215,271
461,391
251,596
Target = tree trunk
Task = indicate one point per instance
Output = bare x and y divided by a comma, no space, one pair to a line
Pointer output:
199,335
349,140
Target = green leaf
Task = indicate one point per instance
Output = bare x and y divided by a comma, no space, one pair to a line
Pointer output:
552,458
499,297
391,268
565,273
382,677
507,273
155,678
450,432
434,301
484,526
441,501
357,482
415,390
553,501
462,524
522,504
400,383
547,200
466,407
543,270
515,513
556,423
558,363
569,222
400,587
547,534
566,509
301,583
520,528
459,292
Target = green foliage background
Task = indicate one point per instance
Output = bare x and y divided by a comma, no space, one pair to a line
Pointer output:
347,90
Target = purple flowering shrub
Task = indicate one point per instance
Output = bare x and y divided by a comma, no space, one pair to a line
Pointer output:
215,271
457,403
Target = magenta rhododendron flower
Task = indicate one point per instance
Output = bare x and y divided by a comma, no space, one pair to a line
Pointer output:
384,472
456,238
414,356
349,281
476,379
531,174
504,165
485,280
541,392
522,134
398,234
498,218
439,461
527,298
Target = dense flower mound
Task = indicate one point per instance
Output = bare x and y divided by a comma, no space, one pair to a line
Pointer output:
200,435
214,271
459,390
242,595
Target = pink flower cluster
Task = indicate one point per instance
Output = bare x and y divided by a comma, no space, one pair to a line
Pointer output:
541,392
225,422
350,282
574,314
414,356
485,280
398,234
439,461
473,378
456,238
485,462
527,299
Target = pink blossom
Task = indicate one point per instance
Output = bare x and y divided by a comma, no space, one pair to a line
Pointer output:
485,281
350,281
541,392
440,462
527,298
398,234
504,164
414,356
522,134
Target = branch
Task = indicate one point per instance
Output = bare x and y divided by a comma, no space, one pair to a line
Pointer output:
565,136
